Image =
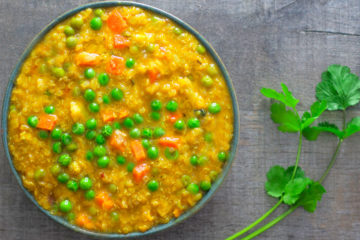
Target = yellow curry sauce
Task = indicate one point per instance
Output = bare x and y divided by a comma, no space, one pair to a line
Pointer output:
119,120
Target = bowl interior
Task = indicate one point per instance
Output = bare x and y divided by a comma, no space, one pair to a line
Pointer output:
201,39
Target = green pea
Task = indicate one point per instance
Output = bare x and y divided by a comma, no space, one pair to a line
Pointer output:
76,22
194,160
33,121
103,79
42,68
213,175
115,216
106,131
214,108
99,151
205,185
39,174
208,137
89,73
200,49
103,162
145,143
85,183
90,194
159,132
90,134
117,94
64,159
70,216
98,12
89,155
150,48
43,134
128,123
193,188
134,49
71,41
89,95
207,81
106,99
153,152
120,160
153,185
211,70
177,30
100,139
193,123
138,119
49,109
67,65
155,116
135,133
55,169
155,105
202,160
66,138
96,23
172,106
69,31
94,107
58,72
92,210
63,177
186,180
72,147
130,166
171,153
56,134
222,156
113,188
130,62
57,147
72,185
78,128
116,125
179,124
91,124
65,206
146,133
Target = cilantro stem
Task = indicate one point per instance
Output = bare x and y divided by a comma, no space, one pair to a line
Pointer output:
297,155
256,222
270,224
331,163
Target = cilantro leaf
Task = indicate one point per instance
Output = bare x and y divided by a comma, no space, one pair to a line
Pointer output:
316,110
339,87
276,181
285,97
311,196
288,121
299,172
312,133
352,127
294,188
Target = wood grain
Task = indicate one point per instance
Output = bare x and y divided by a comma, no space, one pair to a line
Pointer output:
262,43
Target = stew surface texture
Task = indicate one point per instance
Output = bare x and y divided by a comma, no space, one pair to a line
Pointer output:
119,120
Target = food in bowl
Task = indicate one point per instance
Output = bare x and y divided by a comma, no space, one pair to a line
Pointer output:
119,120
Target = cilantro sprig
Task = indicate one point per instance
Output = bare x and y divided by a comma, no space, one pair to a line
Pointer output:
339,89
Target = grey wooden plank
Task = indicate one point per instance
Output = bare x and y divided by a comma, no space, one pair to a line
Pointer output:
262,43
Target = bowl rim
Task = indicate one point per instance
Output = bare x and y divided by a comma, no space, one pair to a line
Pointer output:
209,48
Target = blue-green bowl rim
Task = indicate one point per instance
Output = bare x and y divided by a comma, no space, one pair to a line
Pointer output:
201,39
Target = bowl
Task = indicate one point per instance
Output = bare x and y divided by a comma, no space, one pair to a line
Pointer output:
208,47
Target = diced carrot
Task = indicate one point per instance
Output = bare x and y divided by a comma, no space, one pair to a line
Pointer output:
85,59
140,171
120,41
108,115
153,75
83,220
103,200
138,150
116,22
172,117
47,122
118,140
123,114
173,142
116,65
177,212
108,204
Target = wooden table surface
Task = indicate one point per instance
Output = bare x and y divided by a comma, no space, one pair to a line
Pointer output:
262,43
